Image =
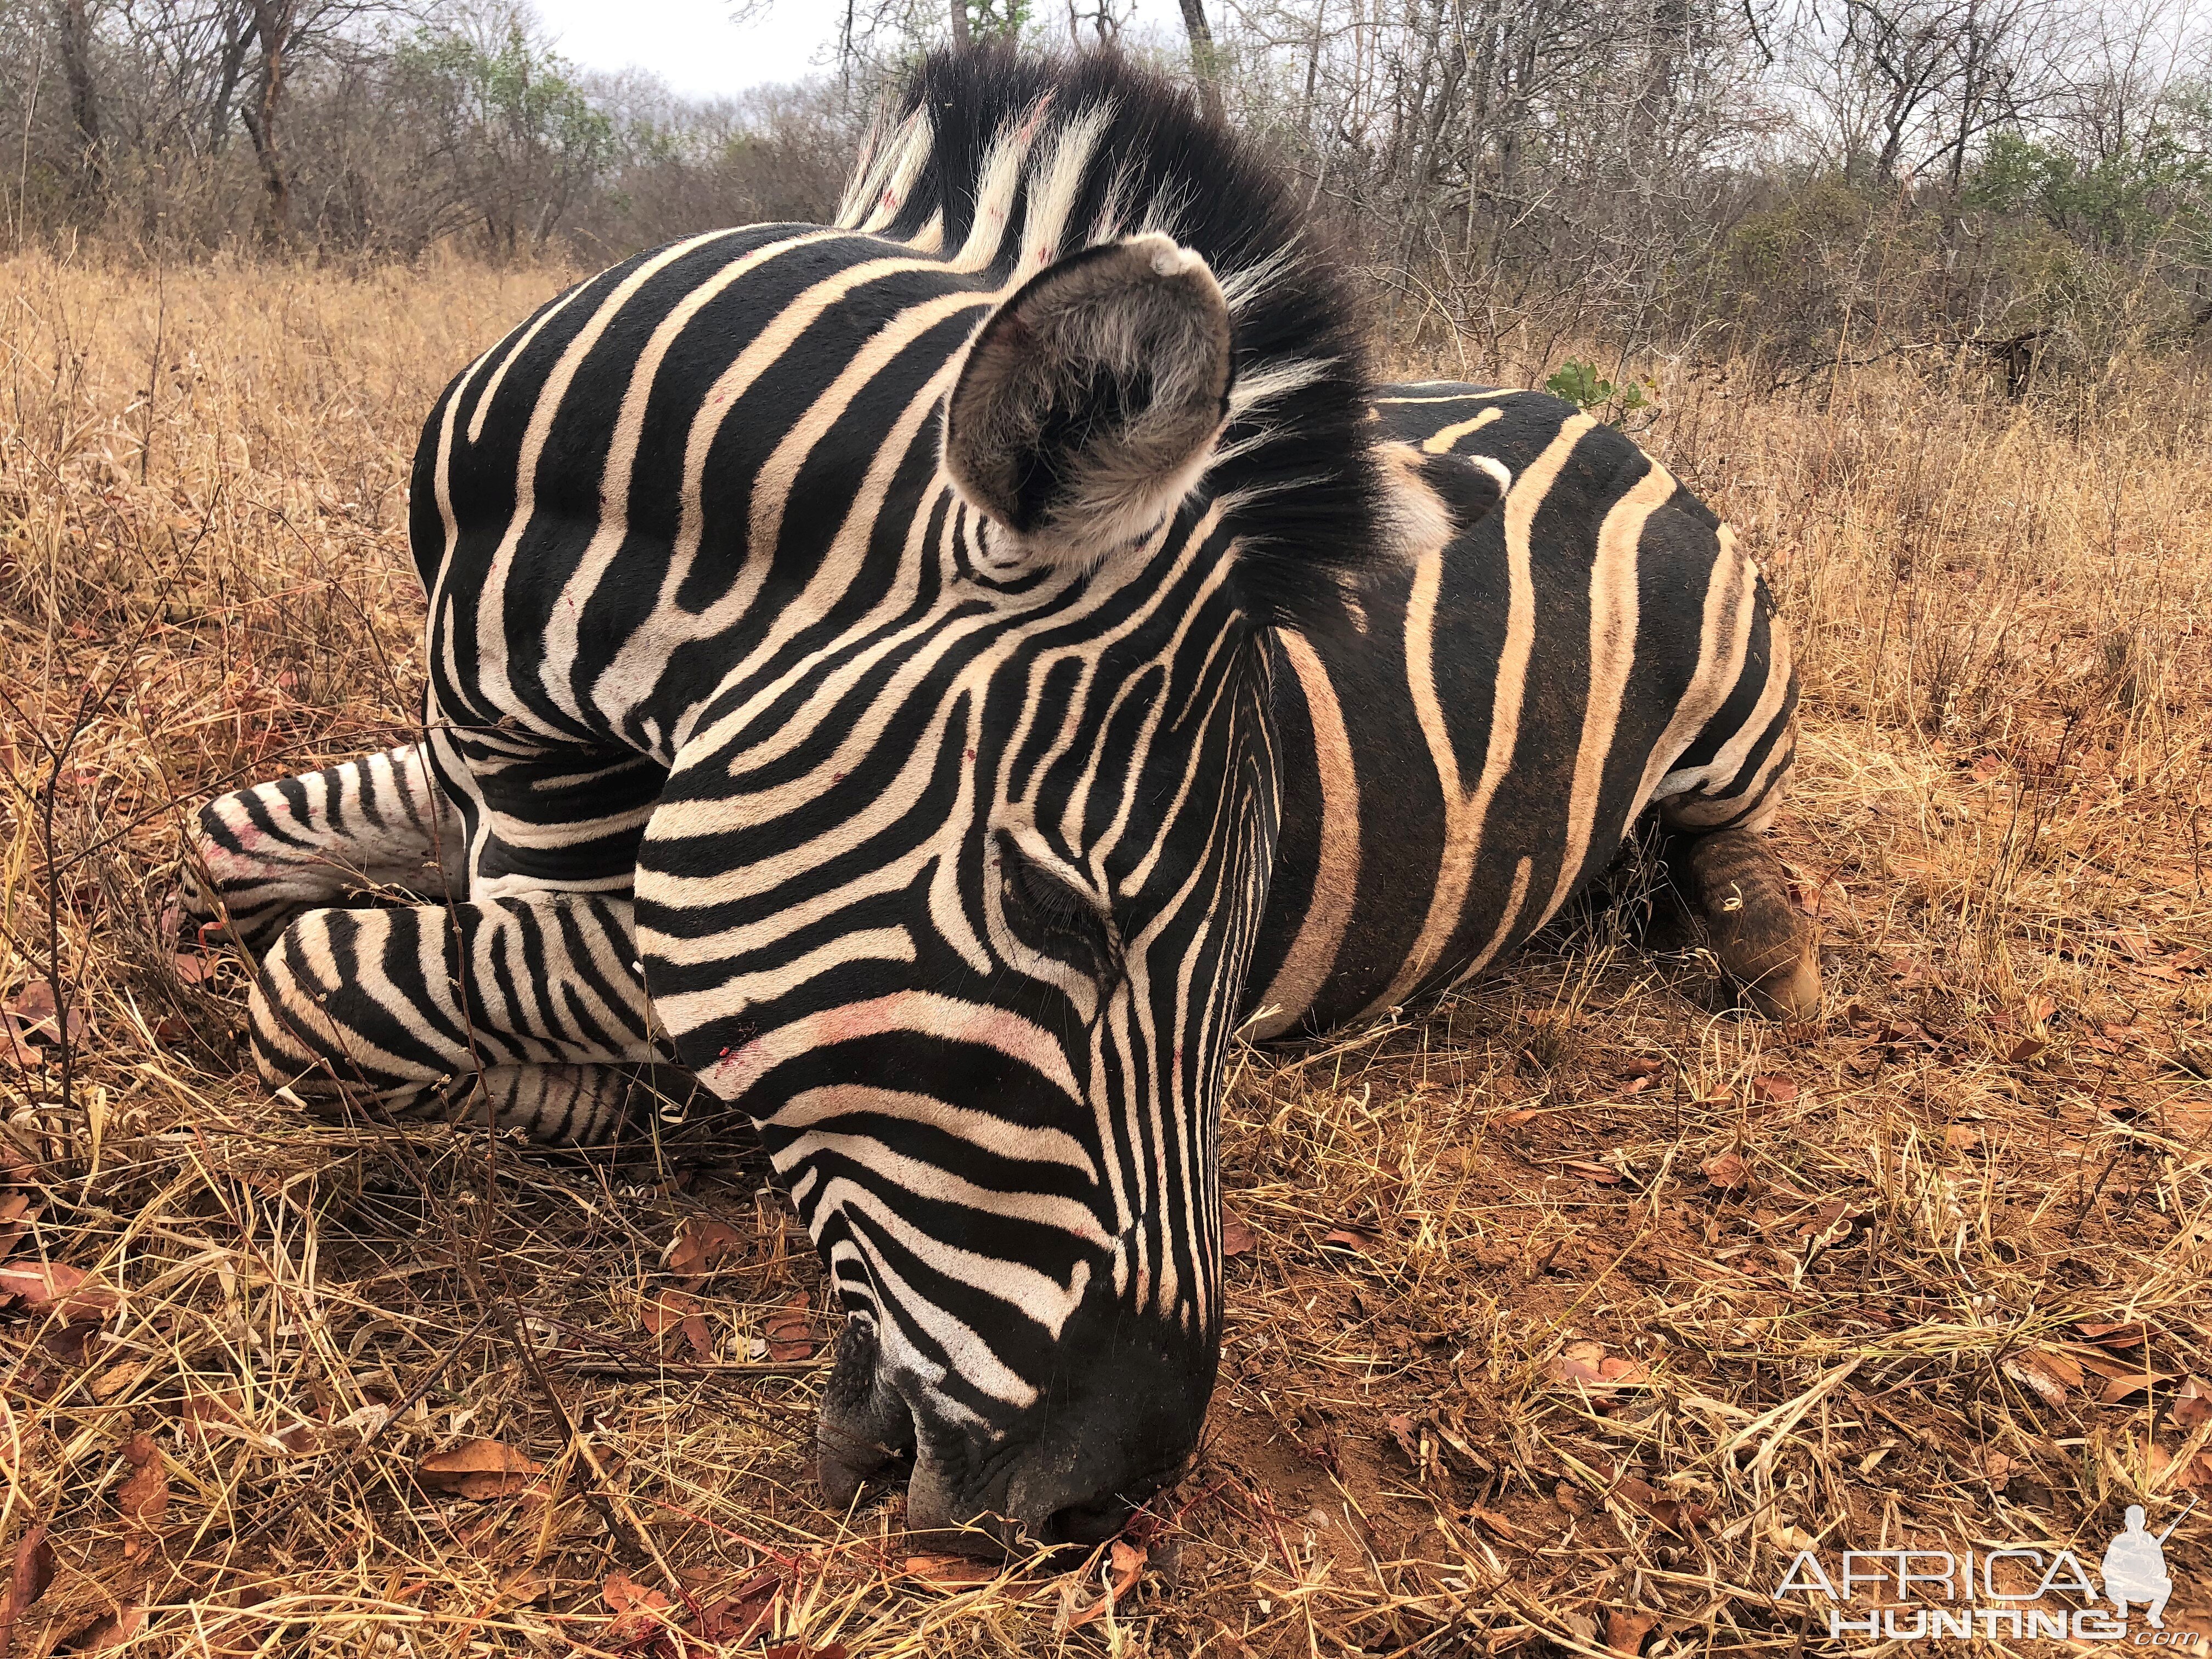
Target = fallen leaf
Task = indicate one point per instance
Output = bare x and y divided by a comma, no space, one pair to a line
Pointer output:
800,1651
1624,1632
1402,1430
2024,1050
1832,1222
636,1609
1774,1090
1354,1241
1523,1117
2192,1406
1125,1564
2129,1336
15,1215
2120,1388
1725,1170
41,1019
116,1630
790,1331
1492,1522
1642,1066
52,1287
1588,1364
478,1468
194,967
16,1047
673,1310
1998,1468
2038,1372
207,1414
950,1571
744,1611
1962,1137
144,1496
34,1570
1236,1238
701,1245
1604,1174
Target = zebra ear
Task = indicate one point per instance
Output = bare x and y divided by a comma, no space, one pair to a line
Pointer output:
1091,401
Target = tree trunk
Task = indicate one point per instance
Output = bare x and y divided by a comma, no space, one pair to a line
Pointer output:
960,35
84,101
273,21
1203,63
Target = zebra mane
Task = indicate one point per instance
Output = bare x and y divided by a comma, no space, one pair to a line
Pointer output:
1002,162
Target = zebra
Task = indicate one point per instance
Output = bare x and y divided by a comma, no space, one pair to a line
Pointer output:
935,680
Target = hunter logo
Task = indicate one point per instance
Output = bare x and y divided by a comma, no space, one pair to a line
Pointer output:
2011,1593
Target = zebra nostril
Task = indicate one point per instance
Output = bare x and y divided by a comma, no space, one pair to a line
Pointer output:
1093,1522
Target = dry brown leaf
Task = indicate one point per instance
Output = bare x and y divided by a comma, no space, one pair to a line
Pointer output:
1492,1522
1962,1137
36,1015
116,1378
2038,1372
739,1613
637,1610
1624,1632
34,1570
1643,1066
1774,1089
800,1651
1588,1365
144,1497
50,1286
1524,1115
2129,1336
950,1571
673,1310
2193,1406
701,1246
2120,1388
115,1630
1353,1241
207,1415
790,1331
1604,1174
478,1468
1238,1238
1126,1565
195,967
2024,1050
16,1216
1725,1170
1403,1429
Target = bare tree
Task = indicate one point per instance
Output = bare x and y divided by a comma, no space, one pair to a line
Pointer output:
1205,61
74,38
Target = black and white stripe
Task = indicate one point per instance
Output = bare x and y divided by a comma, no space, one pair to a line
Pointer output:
932,677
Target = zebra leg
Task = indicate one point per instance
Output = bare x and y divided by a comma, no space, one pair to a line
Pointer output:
262,855
526,1012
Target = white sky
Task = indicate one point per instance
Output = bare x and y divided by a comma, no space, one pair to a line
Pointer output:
691,43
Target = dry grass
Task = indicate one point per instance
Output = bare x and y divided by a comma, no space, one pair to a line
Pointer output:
1573,1307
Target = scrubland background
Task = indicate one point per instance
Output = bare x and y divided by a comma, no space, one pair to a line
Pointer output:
1564,1313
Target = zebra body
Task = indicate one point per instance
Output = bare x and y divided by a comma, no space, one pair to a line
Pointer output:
932,678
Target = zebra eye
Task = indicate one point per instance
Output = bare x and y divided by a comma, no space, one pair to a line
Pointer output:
1047,910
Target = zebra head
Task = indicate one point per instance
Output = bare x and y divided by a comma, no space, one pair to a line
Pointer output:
956,874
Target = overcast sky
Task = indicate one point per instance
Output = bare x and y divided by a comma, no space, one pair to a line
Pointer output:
691,43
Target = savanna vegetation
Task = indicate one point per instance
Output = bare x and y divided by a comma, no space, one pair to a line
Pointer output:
1563,1312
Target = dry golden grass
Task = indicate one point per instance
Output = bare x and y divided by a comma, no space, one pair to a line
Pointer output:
1572,1306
